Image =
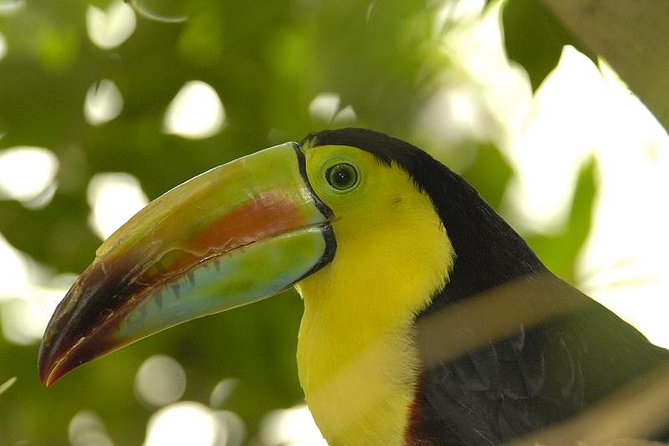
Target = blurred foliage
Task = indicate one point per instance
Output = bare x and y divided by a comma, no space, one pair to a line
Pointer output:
267,61
560,251
629,35
534,38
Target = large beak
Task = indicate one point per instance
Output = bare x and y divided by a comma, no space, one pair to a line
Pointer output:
234,235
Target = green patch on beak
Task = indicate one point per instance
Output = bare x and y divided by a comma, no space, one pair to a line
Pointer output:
234,235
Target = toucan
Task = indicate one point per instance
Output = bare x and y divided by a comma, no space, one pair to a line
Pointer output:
427,319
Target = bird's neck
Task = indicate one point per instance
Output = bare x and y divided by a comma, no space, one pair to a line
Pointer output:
488,251
357,361
359,388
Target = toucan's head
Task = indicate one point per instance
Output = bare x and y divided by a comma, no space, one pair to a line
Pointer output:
346,205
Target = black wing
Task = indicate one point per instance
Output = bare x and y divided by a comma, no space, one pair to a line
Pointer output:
532,379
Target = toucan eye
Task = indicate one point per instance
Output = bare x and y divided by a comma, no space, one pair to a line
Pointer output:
342,176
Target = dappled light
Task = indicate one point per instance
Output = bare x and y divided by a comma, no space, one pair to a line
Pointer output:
15,267
291,427
28,295
27,173
3,46
113,198
222,392
484,97
541,193
236,429
111,27
195,112
105,105
327,107
9,7
87,429
186,422
23,320
103,102
627,142
160,380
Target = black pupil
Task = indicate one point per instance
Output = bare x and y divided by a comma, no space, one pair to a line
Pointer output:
342,176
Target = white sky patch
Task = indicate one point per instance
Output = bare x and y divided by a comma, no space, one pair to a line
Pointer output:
580,111
103,103
160,380
485,98
114,198
576,113
26,173
567,122
624,262
111,27
188,423
452,115
291,427
327,107
195,112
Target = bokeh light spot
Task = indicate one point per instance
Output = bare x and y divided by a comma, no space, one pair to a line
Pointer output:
327,107
10,7
188,423
109,28
234,425
87,429
222,392
28,295
195,112
26,172
114,198
27,307
540,195
103,102
3,46
21,324
291,427
324,106
14,270
345,116
160,380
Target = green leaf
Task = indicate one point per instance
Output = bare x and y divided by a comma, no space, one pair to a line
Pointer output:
534,38
490,182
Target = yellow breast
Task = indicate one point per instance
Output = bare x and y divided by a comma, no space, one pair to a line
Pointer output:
359,388
356,357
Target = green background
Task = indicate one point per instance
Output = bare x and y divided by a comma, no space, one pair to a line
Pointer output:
267,61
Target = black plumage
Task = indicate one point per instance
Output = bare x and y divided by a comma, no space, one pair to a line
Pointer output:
533,378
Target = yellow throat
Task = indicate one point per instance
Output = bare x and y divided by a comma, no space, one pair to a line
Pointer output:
356,358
